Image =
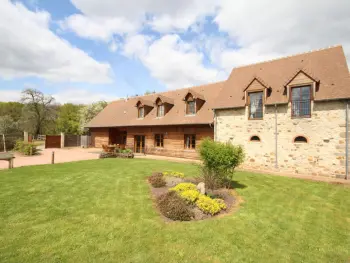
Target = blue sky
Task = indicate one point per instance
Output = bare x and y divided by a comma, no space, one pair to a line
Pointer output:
86,50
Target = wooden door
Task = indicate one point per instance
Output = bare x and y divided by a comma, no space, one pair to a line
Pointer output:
139,144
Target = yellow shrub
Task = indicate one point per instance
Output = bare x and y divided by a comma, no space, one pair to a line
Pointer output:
183,187
190,196
174,174
208,205
221,203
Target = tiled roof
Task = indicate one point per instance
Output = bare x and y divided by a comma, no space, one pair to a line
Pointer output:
123,112
326,66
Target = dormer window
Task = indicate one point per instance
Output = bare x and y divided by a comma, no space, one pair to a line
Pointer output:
160,110
301,101
191,107
194,102
255,104
141,112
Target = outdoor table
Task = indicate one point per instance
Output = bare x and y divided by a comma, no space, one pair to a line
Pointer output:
7,157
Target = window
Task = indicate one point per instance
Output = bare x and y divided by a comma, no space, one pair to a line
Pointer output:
141,112
190,141
160,110
255,100
300,139
255,138
159,140
301,101
191,107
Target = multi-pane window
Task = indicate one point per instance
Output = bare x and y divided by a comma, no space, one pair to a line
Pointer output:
301,101
255,100
141,112
160,110
159,140
191,108
190,141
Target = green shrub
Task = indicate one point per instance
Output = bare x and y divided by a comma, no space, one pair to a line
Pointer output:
190,196
126,151
174,174
157,180
25,148
174,207
208,205
183,187
219,161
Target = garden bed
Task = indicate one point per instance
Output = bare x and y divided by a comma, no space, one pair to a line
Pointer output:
127,154
185,199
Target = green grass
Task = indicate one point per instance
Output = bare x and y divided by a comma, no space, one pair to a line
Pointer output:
101,211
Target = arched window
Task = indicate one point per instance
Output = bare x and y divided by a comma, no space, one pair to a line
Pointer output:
255,138
300,139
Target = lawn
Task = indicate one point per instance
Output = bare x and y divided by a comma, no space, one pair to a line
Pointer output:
101,211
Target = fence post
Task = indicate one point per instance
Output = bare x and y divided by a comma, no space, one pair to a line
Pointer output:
62,139
25,136
53,158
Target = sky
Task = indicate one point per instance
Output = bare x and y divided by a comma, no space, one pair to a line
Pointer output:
81,51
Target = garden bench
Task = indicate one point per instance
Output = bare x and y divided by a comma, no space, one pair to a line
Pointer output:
7,157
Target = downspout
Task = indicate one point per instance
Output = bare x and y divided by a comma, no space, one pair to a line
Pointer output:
215,124
276,137
347,141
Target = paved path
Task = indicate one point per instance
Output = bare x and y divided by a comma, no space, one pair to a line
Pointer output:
61,156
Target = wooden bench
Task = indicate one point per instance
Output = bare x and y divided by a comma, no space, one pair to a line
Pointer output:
7,157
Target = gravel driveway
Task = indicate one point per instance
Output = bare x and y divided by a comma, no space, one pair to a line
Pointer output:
61,156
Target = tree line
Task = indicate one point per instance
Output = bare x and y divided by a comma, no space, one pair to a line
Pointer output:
39,113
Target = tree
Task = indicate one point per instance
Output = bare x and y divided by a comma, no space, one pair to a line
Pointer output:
68,120
38,109
12,109
88,112
7,126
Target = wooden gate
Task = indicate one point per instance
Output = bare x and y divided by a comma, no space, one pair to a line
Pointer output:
53,141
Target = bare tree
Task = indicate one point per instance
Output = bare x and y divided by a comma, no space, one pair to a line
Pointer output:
38,108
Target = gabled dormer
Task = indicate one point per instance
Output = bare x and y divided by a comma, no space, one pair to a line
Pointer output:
193,102
143,108
300,90
255,95
163,105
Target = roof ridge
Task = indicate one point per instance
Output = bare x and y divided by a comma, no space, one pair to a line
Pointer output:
162,92
288,56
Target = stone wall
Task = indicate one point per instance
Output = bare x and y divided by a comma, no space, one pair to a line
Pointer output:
323,155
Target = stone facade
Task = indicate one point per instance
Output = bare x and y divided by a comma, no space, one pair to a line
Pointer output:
323,154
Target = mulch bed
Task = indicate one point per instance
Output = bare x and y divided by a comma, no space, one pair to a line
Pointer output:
231,198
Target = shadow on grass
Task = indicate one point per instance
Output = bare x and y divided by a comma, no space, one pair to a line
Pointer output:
237,185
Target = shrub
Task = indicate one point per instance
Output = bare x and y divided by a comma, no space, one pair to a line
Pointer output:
219,161
174,207
221,203
126,151
157,180
104,155
25,148
208,205
190,196
183,187
174,174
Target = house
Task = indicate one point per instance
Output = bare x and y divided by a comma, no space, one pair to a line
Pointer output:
289,113
170,123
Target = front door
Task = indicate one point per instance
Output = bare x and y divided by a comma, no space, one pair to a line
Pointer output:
139,144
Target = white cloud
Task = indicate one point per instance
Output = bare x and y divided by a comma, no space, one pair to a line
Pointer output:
101,20
172,61
29,48
10,95
98,28
266,29
82,96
